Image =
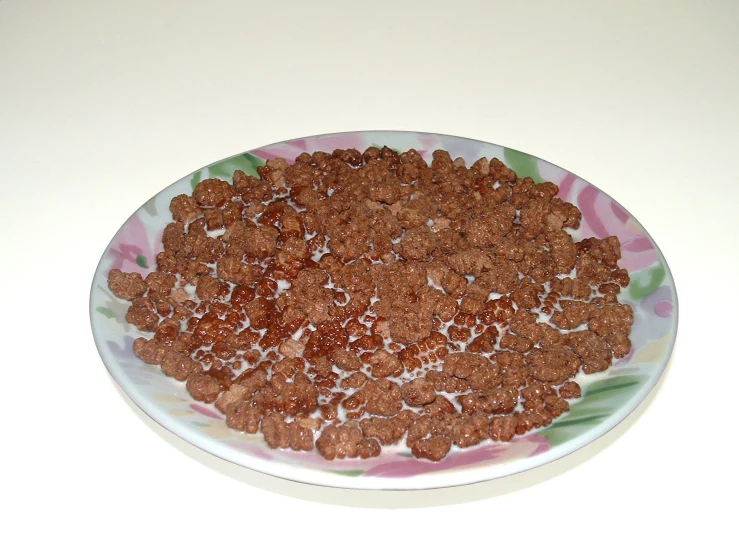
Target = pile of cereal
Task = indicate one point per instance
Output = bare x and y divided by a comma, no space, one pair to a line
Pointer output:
353,300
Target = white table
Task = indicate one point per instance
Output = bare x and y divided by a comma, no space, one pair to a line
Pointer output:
103,104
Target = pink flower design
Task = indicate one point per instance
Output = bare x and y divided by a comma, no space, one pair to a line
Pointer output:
602,217
253,450
205,411
133,248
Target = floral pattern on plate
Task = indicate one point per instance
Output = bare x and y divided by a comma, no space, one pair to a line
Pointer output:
607,397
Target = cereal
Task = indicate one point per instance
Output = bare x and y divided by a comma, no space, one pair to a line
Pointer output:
353,301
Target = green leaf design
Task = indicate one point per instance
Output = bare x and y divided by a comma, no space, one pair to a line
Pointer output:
141,261
348,472
107,312
523,164
114,307
644,283
381,146
248,163
599,401
196,178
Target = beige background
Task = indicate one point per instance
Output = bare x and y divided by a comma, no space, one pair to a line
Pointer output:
103,104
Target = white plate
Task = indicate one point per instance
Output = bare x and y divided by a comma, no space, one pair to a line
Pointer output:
607,397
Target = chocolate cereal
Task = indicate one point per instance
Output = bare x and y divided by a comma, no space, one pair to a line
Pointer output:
355,300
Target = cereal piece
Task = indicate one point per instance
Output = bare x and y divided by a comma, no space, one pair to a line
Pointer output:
232,269
613,318
280,434
179,366
141,315
261,242
573,314
513,342
485,376
486,231
340,441
291,348
383,397
454,285
293,254
261,312
288,366
595,353
368,448
161,282
525,325
299,397
555,405
212,193
310,295
388,430
606,251
440,406
203,387
209,288
417,244
527,296
446,382
184,208
536,390
503,428
384,364
173,239
322,366
411,322
251,381
355,381
533,217
554,365
127,286
564,251
565,212
440,304
501,400
619,343
471,262
432,448
236,393
570,389
346,360
242,417
470,431
464,364
150,351
327,337
418,392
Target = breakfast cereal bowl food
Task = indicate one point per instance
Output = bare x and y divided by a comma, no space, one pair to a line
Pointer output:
384,310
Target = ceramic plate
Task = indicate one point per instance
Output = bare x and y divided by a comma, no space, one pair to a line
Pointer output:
607,397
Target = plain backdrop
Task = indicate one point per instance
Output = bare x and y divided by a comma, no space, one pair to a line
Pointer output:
103,104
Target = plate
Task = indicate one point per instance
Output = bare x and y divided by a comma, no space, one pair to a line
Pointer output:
607,399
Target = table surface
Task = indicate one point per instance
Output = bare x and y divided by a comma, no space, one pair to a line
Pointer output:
103,104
